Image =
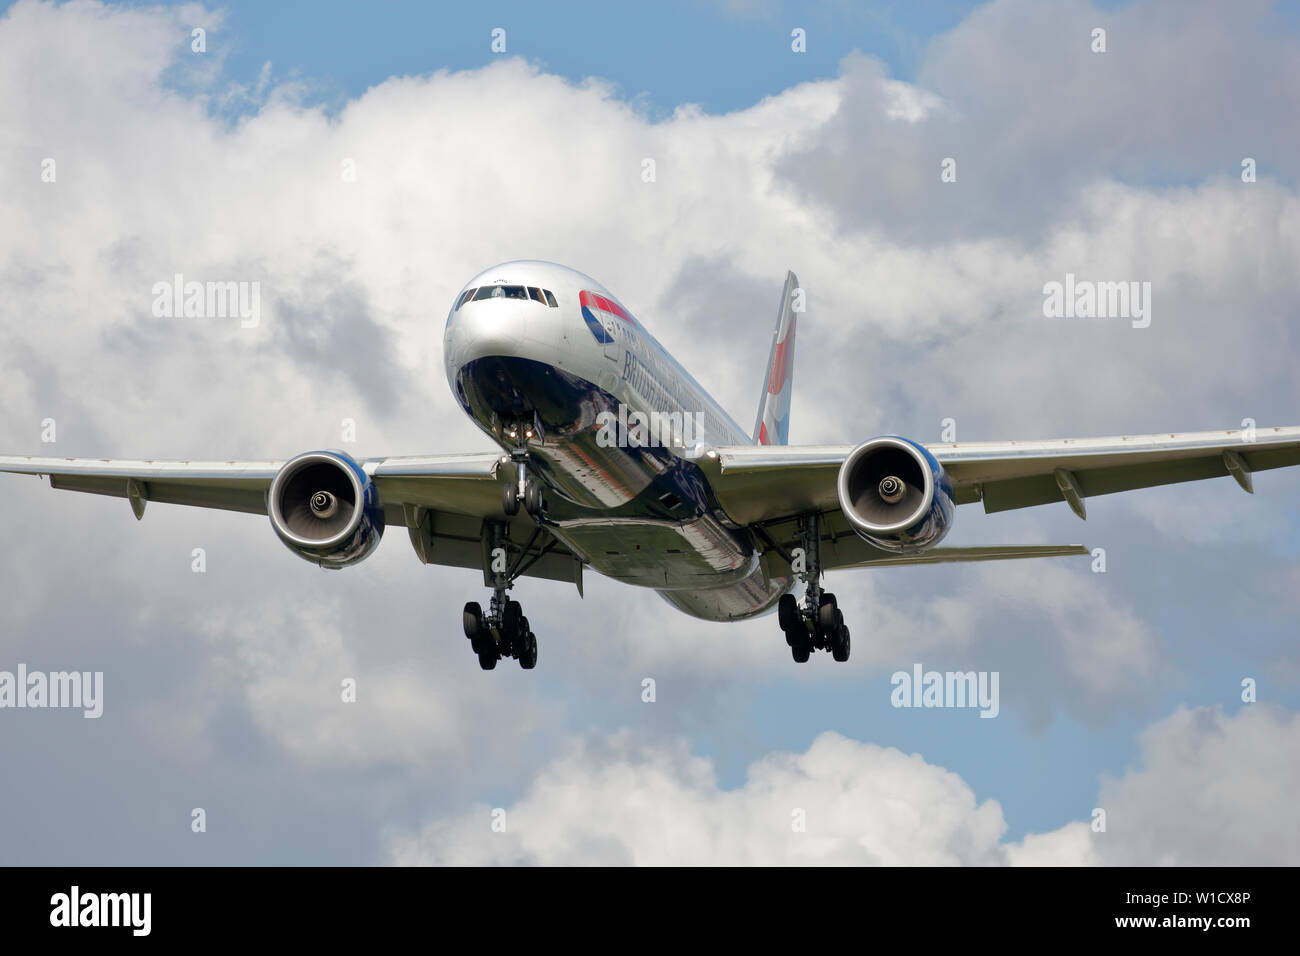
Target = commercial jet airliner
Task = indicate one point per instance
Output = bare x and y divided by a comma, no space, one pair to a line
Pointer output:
613,458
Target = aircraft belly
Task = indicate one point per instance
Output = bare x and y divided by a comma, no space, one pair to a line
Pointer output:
643,515
579,469
659,553
749,597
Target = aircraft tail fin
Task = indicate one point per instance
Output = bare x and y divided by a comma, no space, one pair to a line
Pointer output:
773,424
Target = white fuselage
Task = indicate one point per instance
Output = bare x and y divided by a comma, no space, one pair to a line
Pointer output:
619,424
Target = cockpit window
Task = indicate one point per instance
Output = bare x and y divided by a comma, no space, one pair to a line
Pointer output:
542,296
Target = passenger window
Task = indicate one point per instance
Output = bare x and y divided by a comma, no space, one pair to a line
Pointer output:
488,292
534,293
550,299
516,292
464,297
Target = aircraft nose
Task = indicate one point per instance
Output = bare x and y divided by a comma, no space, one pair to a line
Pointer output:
497,328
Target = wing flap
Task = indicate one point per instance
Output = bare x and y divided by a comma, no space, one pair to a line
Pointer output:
842,548
248,498
227,485
961,555
1012,493
455,541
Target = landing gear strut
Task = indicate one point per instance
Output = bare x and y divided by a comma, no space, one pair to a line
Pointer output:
818,622
528,489
503,631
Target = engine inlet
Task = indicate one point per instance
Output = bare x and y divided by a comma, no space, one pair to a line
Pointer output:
324,504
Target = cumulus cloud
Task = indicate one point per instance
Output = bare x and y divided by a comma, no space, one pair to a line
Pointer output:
1028,140
617,801
922,305
1210,790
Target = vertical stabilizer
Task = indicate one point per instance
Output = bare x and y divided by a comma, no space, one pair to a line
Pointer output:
773,424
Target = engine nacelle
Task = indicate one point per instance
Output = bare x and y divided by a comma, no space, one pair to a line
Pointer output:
326,509
896,495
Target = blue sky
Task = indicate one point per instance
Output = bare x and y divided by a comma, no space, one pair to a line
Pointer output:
924,306
668,54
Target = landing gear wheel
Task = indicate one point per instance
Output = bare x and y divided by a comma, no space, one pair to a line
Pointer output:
473,620
511,620
528,659
800,649
826,615
502,631
510,501
519,644
840,648
534,499
787,613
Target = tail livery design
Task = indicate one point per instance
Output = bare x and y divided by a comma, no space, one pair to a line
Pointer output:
773,424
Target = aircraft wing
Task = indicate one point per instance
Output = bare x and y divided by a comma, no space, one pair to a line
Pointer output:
442,499
767,487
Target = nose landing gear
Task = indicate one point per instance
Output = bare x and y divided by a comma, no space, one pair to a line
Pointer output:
527,489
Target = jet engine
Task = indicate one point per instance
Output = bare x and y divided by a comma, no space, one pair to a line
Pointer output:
896,495
326,509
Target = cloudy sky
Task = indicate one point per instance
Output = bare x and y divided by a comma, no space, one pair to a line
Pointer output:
1120,691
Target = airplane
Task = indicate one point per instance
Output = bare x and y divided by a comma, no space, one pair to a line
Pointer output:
613,458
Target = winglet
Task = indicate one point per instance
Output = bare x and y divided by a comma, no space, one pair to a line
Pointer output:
773,424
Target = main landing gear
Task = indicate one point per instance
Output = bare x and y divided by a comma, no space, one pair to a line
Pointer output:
818,622
503,631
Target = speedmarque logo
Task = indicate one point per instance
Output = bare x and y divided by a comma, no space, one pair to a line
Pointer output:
102,909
